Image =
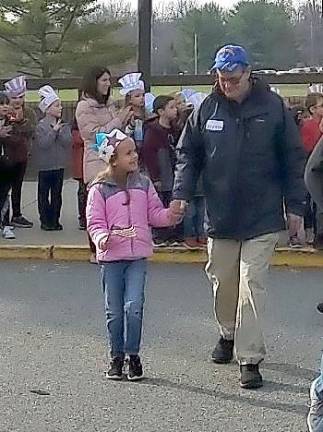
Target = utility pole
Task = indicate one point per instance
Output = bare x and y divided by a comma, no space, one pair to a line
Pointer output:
195,54
144,40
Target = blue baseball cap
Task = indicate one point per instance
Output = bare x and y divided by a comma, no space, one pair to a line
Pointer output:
229,57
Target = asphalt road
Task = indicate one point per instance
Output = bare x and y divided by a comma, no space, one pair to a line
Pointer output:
53,342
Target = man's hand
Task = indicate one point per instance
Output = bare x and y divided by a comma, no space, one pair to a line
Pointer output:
5,131
177,211
295,225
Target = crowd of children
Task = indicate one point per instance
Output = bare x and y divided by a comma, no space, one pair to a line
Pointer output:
154,123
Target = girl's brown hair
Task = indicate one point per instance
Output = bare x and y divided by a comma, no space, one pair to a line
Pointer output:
312,99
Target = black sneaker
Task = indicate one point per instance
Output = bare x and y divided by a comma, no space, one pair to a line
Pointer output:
223,352
135,372
320,307
250,376
58,227
45,227
115,371
21,222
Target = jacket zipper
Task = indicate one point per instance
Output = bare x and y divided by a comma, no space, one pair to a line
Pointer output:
130,224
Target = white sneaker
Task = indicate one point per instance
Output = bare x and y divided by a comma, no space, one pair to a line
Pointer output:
7,233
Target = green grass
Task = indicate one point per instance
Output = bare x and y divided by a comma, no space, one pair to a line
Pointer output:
71,95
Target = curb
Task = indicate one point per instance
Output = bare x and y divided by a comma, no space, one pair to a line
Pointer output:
306,258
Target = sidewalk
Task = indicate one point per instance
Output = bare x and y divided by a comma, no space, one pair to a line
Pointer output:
71,243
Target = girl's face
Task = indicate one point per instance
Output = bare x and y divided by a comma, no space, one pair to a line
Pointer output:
103,84
137,98
127,157
170,111
17,102
55,110
4,109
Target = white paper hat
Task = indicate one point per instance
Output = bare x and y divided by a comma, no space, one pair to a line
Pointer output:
315,88
187,93
48,97
275,90
131,82
196,99
106,143
149,102
16,87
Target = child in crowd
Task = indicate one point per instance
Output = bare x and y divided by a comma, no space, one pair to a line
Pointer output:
77,168
133,88
311,131
122,206
159,158
18,144
53,139
5,166
194,232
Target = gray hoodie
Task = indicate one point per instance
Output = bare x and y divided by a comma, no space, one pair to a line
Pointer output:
52,148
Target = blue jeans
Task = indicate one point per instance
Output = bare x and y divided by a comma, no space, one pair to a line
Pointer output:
123,284
194,218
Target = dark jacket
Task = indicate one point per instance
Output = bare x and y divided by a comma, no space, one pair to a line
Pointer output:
158,154
18,145
251,159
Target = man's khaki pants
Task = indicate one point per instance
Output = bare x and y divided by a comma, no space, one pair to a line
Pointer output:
237,271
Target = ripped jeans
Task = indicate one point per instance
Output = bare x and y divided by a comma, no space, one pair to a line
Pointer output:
123,284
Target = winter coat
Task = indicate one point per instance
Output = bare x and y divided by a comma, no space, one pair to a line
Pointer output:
93,117
251,159
108,207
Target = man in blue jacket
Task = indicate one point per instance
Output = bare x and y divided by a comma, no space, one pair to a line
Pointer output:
246,145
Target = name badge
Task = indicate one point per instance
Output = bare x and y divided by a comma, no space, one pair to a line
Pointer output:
214,125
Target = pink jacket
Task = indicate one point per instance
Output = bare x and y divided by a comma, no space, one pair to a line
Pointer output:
107,209
93,117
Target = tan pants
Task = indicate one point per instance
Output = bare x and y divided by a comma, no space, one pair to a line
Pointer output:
236,271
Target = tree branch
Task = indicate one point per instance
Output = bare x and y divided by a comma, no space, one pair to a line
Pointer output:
66,29
17,45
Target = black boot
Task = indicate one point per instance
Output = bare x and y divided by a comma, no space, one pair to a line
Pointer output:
250,376
223,352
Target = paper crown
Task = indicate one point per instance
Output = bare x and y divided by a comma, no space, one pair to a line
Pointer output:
315,88
131,82
16,87
149,102
106,143
48,97
196,99
187,93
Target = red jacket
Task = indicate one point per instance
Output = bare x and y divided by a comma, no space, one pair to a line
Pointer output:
310,133
77,155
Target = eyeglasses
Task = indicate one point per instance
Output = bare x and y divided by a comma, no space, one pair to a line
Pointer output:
234,81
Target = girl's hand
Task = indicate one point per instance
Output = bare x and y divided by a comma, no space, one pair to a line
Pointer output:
104,243
125,115
177,211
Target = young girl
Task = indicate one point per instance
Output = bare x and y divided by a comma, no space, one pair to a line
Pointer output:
122,206
53,139
23,121
5,166
133,88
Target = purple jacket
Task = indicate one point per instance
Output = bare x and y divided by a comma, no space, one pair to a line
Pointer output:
108,208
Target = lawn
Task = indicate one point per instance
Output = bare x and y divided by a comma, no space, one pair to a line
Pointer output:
71,95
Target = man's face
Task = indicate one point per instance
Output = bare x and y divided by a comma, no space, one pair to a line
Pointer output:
234,84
